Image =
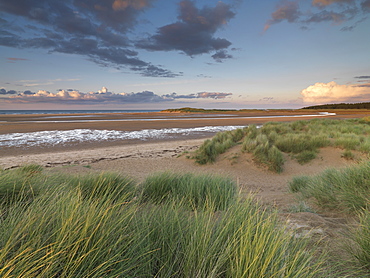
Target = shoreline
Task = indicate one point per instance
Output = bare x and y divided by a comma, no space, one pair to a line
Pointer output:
142,150
137,122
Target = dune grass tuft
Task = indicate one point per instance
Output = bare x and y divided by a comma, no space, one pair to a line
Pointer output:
222,141
105,185
94,226
302,139
361,238
347,190
199,191
306,156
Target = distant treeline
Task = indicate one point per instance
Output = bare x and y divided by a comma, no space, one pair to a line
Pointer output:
189,109
201,110
361,105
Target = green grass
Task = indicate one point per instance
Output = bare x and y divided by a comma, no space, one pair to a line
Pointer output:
297,143
299,183
105,185
200,192
347,154
361,238
221,142
101,226
306,156
302,139
20,185
300,206
347,190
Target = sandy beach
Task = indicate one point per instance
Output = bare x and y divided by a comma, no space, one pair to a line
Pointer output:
139,158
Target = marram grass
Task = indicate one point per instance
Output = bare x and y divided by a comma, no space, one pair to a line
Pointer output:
347,190
71,230
302,139
361,237
199,191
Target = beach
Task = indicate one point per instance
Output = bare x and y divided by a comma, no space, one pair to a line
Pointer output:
142,156
92,131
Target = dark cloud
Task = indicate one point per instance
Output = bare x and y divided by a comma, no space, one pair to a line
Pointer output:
364,86
9,39
221,55
331,11
269,99
153,71
366,5
204,76
213,95
93,28
5,92
142,97
327,16
194,33
176,96
363,77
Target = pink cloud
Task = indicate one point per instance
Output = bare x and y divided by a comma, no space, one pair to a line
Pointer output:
321,93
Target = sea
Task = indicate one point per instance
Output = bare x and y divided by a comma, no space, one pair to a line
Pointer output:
52,138
27,112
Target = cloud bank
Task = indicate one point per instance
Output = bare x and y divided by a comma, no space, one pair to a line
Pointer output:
100,29
193,33
103,96
322,93
330,11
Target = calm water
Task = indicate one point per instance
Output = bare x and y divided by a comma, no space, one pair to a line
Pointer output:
19,112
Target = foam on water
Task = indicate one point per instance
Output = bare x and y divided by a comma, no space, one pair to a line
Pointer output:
61,137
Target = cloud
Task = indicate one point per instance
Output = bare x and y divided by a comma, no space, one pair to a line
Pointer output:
366,5
99,97
13,60
125,4
286,10
213,95
268,99
39,83
5,92
331,92
221,55
363,77
331,11
193,34
328,16
324,3
95,29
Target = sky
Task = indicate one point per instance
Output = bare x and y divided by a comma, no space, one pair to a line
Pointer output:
160,54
